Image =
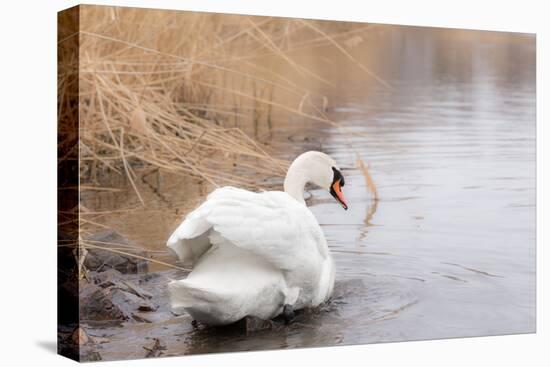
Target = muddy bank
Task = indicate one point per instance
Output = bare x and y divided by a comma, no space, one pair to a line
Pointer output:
126,314
129,316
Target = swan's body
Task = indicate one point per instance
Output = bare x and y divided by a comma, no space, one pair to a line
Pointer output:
255,253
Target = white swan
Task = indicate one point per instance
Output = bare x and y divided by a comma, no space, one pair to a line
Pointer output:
257,254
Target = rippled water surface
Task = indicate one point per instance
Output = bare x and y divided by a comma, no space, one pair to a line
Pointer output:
449,249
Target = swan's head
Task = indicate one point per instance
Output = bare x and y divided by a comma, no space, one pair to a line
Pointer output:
316,168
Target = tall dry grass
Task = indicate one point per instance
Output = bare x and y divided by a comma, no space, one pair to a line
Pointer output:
190,93
193,94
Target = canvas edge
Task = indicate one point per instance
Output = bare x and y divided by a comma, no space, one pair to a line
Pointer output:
68,47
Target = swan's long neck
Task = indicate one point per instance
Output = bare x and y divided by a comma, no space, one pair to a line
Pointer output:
309,167
295,181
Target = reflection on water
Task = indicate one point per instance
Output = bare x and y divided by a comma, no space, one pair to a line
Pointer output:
449,250
452,148
454,159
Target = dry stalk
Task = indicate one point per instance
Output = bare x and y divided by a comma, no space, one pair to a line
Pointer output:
167,96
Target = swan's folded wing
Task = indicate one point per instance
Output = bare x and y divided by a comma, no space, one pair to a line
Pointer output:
270,224
191,240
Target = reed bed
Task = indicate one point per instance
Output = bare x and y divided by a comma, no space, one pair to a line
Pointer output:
190,93
193,94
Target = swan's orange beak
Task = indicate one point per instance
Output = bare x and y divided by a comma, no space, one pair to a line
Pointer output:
336,191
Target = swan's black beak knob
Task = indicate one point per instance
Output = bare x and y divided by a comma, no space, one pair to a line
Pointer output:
336,188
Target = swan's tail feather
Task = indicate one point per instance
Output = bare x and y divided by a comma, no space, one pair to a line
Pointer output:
184,294
205,305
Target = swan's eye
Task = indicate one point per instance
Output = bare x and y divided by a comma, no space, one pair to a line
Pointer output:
336,188
338,177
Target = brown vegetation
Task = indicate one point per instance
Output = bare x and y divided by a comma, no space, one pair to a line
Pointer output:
190,93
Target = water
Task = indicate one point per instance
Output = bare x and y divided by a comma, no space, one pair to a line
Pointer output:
449,249
453,153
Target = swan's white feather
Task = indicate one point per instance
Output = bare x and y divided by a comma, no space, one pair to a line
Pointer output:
229,284
252,253
271,224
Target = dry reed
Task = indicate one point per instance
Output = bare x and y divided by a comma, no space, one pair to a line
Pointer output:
164,89
190,94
